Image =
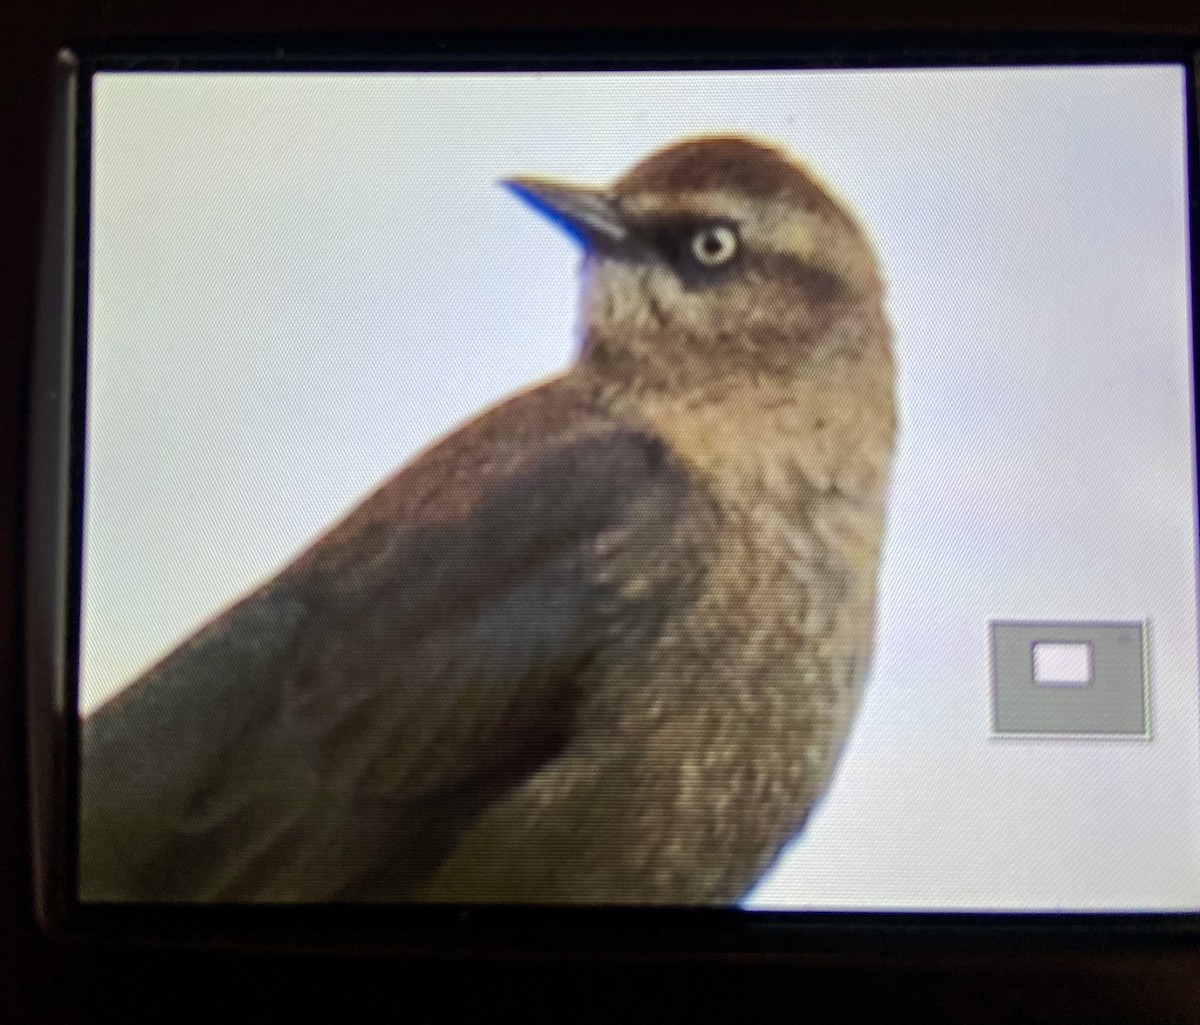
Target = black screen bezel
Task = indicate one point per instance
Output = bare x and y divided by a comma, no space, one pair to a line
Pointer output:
55,529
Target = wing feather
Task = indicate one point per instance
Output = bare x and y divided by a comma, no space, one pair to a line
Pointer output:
367,702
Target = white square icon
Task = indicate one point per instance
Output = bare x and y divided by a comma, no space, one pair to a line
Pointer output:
1056,664
1078,679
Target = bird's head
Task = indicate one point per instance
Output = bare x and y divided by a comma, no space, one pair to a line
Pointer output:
714,255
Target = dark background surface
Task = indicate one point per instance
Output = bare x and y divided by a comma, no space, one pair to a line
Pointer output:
47,982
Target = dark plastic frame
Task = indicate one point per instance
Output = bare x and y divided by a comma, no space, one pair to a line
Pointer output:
54,529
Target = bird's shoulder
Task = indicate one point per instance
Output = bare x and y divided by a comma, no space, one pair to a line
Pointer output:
551,463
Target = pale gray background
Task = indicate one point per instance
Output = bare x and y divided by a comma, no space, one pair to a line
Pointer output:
299,281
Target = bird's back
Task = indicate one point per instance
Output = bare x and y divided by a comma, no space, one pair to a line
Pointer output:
329,736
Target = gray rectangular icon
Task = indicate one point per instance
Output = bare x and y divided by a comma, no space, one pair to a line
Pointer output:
1077,679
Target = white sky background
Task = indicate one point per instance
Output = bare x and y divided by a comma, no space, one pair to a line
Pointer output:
300,281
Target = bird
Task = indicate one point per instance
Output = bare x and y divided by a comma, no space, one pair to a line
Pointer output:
603,644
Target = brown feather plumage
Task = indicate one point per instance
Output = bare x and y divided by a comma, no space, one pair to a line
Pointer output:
602,645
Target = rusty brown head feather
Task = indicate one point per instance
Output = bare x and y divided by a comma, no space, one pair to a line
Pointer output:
714,256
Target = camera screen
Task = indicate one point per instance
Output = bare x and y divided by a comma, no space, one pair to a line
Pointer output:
764,488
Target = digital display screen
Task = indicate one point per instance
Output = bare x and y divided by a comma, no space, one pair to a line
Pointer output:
770,489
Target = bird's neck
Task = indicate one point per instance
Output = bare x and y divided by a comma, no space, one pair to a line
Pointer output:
761,438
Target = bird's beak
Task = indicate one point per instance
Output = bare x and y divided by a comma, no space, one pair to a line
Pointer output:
587,215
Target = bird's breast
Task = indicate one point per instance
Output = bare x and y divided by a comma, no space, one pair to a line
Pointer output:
801,474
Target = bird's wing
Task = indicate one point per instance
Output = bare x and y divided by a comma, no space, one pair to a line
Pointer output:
367,702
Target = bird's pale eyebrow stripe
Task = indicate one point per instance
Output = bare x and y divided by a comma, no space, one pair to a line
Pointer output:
668,234
775,228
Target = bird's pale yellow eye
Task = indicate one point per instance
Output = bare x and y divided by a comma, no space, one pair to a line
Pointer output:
714,245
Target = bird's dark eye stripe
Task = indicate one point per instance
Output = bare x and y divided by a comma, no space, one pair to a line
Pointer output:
817,284
673,238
